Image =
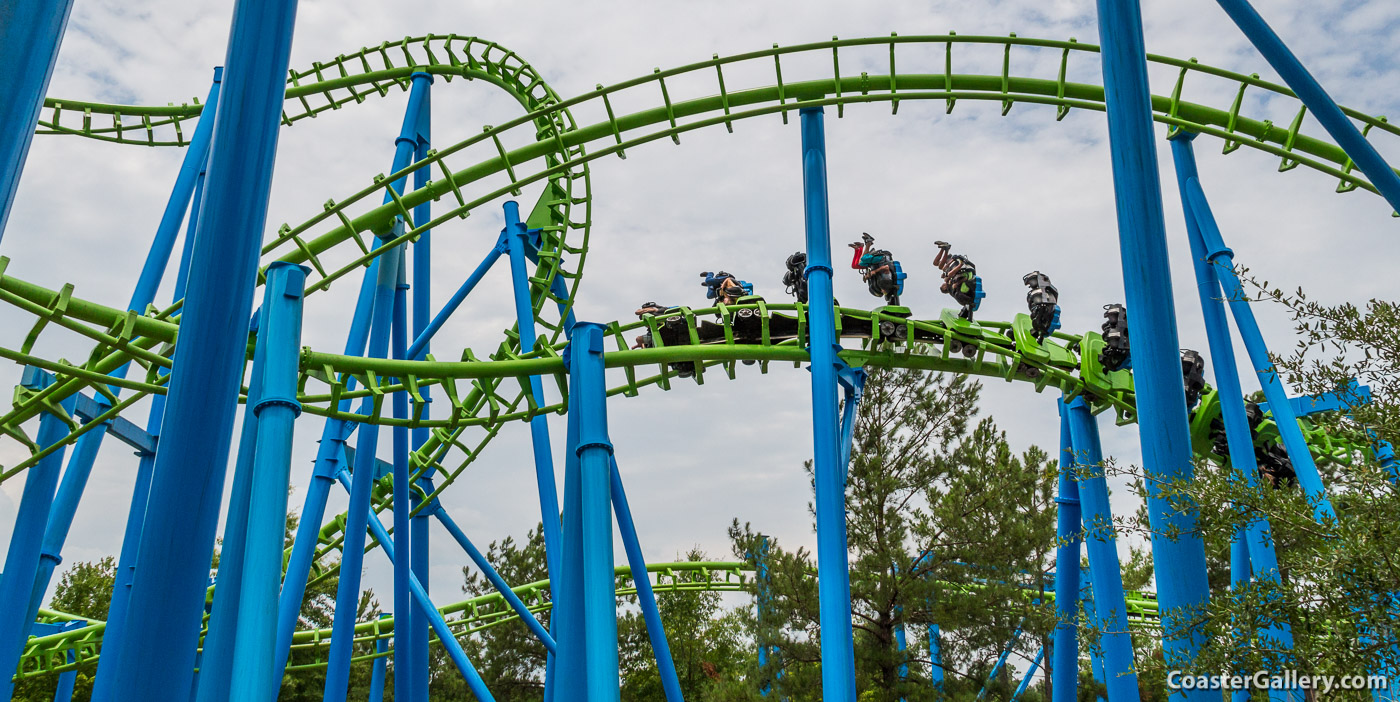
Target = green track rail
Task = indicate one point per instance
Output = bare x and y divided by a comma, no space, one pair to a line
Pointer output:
49,655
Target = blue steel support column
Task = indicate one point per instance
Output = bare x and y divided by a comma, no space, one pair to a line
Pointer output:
1323,108
1101,543
761,605
833,574
276,411
155,654
1064,671
22,558
376,675
646,599
594,450
1030,673
1221,260
30,34
1161,404
347,594
1096,665
404,661
515,234
935,657
495,579
136,514
565,671
1257,554
79,468
901,643
1001,660
334,432
422,310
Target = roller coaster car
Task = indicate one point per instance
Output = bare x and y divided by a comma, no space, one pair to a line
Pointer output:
1115,354
888,329
1193,376
1043,300
795,279
1274,465
748,322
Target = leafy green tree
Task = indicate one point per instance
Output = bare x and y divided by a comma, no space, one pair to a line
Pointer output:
708,644
946,524
85,590
510,659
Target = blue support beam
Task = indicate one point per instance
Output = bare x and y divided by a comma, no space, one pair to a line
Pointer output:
1100,541
495,579
1001,660
30,34
1310,92
517,236
762,609
594,450
1161,403
404,650
646,598
348,588
1030,673
275,412
1221,260
155,654
334,433
1064,671
1254,542
22,557
376,675
833,570
436,622
422,308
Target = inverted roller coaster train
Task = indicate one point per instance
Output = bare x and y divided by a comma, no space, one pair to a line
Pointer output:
157,642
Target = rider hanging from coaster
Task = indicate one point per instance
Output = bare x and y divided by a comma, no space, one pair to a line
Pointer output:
684,369
795,279
959,279
1193,376
1043,299
1115,354
878,268
725,288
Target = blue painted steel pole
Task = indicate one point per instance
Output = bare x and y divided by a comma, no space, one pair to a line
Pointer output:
30,34
422,311
1221,259
216,670
155,655
352,559
495,579
761,610
276,411
404,661
136,514
515,234
595,450
376,675
1323,108
646,598
1258,556
1161,403
1101,542
1096,665
26,541
901,644
419,348
334,432
1001,660
1064,671
79,469
833,574
435,618
1030,673
565,671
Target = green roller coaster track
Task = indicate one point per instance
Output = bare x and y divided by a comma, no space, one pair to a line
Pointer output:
550,152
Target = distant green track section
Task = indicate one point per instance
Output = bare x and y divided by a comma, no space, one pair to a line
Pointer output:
48,655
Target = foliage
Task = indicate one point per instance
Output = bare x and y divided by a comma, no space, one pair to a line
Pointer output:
946,525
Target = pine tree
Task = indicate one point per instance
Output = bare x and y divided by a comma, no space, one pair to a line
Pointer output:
947,525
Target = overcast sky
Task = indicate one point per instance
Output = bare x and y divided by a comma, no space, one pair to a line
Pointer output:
1015,194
